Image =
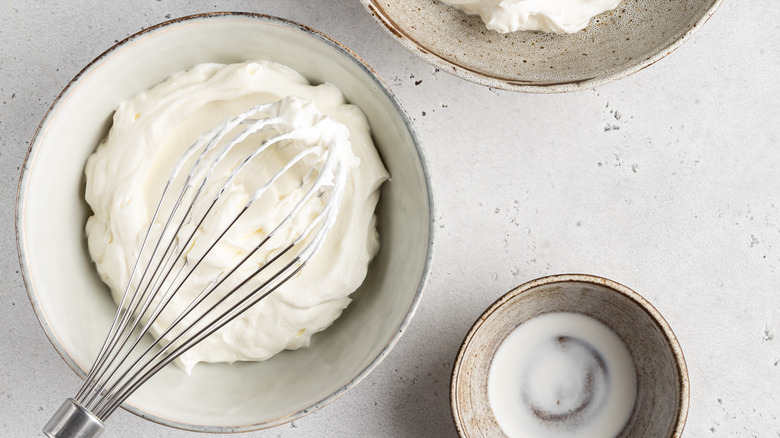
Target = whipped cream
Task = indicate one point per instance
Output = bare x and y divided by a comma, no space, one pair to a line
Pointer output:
126,175
554,16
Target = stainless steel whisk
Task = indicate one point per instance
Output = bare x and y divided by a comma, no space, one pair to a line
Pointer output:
162,268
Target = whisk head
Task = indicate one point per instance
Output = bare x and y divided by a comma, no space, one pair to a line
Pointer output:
310,157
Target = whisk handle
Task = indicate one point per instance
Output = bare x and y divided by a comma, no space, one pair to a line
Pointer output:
73,421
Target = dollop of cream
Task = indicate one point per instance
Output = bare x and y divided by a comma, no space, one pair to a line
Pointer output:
126,174
553,16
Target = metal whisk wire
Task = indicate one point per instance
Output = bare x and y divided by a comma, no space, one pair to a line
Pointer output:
122,365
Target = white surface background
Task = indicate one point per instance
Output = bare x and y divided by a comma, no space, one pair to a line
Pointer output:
666,181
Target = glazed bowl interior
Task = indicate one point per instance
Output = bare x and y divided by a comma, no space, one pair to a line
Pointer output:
615,44
661,400
75,307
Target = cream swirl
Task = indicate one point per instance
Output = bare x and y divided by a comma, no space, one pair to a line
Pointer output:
554,16
126,174
562,375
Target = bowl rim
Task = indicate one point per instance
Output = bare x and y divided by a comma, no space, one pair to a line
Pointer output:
506,84
381,85
672,341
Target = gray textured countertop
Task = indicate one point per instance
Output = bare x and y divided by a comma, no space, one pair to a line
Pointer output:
666,181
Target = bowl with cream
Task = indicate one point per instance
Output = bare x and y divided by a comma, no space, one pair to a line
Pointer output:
541,46
570,356
96,166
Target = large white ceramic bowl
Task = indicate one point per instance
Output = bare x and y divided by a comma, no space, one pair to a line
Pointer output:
74,306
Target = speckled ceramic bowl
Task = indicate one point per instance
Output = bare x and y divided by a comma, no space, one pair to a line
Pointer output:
615,44
75,307
661,401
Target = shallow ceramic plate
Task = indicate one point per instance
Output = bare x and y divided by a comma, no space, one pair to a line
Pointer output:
615,44
75,307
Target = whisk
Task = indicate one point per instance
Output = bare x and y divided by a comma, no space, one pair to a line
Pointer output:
315,147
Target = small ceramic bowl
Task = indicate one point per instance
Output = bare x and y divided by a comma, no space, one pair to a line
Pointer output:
660,405
614,45
75,307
